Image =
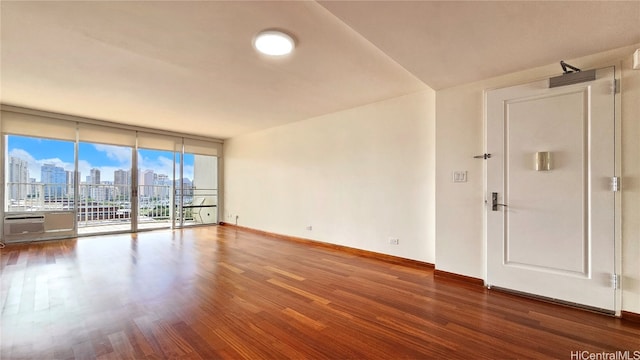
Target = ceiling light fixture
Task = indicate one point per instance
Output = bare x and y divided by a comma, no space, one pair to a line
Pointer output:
274,43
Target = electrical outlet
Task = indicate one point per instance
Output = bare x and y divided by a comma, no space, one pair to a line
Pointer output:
394,241
309,227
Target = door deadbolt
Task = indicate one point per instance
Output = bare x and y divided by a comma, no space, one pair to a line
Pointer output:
494,202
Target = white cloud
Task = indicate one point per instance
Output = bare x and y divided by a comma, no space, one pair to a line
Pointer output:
160,165
21,154
36,164
120,154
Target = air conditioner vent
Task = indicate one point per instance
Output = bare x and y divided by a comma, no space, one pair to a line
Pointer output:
23,224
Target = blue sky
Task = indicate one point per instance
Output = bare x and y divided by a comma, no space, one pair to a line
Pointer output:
107,158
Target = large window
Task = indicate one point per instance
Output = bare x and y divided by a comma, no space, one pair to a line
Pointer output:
86,177
39,173
104,188
155,186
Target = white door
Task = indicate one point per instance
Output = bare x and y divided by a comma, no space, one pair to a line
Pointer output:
555,236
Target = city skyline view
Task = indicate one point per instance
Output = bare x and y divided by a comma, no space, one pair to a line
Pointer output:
41,177
106,158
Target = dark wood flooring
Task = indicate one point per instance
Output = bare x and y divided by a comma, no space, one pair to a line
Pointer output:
221,292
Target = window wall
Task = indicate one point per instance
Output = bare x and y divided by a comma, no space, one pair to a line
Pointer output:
108,178
157,167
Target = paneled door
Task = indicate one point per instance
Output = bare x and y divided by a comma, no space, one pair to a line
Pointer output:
550,204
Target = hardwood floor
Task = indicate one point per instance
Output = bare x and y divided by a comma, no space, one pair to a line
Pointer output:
221,292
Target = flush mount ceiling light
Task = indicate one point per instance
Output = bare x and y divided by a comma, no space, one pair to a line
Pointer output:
274,43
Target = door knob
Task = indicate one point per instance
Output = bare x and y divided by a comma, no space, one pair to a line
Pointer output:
494,202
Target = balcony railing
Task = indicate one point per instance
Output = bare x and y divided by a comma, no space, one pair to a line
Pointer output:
103,204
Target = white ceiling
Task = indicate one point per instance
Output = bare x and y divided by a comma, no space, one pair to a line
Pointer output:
189,66
448,43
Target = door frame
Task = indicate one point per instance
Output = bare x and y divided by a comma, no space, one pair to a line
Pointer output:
617,170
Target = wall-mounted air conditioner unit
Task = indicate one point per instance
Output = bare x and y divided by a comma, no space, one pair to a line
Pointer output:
23,224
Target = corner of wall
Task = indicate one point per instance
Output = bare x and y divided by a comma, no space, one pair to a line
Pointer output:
354,178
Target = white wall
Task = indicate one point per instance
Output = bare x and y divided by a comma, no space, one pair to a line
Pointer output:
358,177
459,207
363,175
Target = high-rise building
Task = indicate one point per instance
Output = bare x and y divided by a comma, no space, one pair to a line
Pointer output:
147,180
95,176
122,177
70,182
18,178
105,192
122,183
70,177
54,180
163,186
32,190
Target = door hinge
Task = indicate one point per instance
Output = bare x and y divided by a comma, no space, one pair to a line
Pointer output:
616,86
615,281
615,183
